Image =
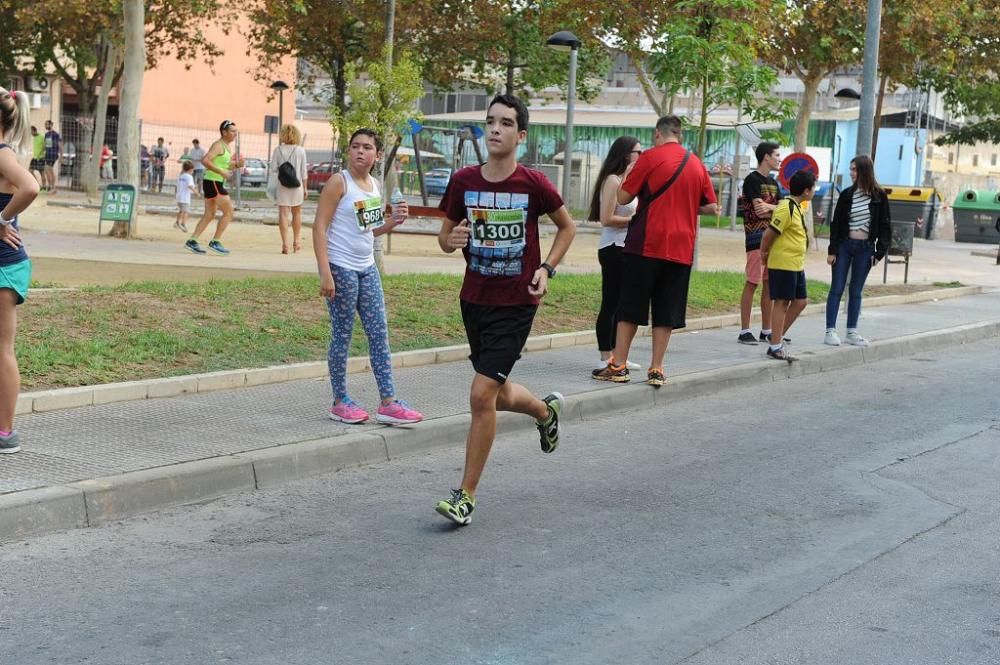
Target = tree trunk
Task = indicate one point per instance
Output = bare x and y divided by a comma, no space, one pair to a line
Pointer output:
128,108
92,172
635,57
509,86
878,115
811,83
703,124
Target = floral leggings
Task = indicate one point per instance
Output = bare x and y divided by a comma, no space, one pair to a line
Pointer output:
361,292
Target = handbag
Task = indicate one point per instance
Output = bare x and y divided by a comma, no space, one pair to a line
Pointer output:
287,175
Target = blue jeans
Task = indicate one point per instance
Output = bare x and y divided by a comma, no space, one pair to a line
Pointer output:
359,292
855,256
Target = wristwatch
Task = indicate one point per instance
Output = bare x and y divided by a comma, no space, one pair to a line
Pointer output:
5,222
549,269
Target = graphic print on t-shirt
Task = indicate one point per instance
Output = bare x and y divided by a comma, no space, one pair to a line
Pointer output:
369,213
498,220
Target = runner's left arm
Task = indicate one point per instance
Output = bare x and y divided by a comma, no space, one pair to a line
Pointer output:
566,231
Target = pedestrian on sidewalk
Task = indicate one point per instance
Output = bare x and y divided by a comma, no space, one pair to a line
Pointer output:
18,188
158,156
673,188
349,216
783,248
760,198
492,216
196,153
614,219
860,233
106,164
185,187
289,184
219,164
53,144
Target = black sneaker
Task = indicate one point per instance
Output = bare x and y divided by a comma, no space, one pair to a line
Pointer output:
548,431
767,338
193,245
747,338
217,247
780,354
616,373
10,443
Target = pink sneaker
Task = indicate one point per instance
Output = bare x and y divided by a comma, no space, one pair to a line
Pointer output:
348,412
398,413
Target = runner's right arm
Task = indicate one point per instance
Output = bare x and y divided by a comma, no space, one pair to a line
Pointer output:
329,199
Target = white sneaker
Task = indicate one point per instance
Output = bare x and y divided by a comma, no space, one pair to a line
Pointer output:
831,338
601,364
854,339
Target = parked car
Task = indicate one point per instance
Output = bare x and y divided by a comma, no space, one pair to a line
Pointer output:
436,181
318,174
254,172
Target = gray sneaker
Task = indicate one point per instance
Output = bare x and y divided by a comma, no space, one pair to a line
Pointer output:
10,443
193,246
548,431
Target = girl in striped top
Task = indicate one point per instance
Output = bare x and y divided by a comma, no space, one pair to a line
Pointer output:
859,238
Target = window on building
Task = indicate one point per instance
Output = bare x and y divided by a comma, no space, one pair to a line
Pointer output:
951,158
975,160
930,151
993,160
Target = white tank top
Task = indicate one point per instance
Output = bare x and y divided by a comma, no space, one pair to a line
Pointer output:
349,239
615,235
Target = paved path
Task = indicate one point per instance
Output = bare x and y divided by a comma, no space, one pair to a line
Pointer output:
102,441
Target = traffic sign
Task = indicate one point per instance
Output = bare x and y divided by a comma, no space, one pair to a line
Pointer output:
117,204
793,163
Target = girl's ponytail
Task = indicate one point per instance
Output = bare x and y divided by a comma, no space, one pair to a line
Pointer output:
16,121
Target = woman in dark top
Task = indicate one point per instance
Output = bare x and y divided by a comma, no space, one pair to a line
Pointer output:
614,221
18,188
859,238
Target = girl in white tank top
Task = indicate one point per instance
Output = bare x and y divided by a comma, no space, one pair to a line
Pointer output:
349,215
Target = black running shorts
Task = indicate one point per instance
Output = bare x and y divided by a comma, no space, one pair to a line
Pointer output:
497,335
653,283
213,188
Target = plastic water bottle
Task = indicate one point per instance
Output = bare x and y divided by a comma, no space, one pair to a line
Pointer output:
397,211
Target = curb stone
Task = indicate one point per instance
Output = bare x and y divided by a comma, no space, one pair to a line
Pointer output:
91,502
69,398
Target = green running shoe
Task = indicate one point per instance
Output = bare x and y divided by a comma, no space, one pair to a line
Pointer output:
458,508
548,431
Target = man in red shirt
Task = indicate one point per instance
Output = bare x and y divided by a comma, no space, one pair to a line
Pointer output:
673,189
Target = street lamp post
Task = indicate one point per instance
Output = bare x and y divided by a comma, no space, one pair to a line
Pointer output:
869,81
280,86
564,40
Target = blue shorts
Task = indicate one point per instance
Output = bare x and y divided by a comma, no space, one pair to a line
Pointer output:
787,284
16,277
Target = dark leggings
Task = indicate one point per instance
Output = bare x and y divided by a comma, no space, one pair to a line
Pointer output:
610,258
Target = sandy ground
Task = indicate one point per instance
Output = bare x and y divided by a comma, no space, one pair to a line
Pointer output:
66,250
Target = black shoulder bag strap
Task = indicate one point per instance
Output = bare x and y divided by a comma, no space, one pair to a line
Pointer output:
666,186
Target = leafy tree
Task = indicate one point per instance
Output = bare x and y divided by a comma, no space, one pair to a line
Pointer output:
328,36
710,46
811,39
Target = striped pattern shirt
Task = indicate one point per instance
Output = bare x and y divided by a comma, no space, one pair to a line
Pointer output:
861,216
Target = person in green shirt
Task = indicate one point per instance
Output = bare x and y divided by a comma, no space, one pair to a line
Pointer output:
37,154
219,164
784,247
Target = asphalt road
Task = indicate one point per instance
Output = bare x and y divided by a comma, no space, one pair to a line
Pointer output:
837,519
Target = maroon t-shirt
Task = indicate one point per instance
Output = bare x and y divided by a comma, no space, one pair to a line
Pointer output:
503,252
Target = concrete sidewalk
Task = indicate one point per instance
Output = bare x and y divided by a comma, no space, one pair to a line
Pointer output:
84,466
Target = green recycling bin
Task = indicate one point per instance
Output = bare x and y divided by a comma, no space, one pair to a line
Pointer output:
919,205
976,214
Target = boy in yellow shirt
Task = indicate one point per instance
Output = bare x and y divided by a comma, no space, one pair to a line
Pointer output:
784,249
